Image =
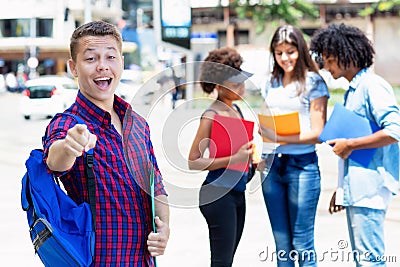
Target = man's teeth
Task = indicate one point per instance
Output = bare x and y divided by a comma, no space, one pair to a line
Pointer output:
102,80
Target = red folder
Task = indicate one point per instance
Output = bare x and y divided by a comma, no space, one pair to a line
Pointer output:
227,136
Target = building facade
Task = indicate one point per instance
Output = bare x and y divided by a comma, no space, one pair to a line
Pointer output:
41,29
383,28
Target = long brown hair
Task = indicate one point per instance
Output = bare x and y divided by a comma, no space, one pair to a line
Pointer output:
292,35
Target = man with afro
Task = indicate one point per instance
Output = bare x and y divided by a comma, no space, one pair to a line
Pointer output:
347,52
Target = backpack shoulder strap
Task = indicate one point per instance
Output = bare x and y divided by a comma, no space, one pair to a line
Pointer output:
91,183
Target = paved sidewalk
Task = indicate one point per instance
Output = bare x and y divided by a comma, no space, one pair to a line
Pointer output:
188,245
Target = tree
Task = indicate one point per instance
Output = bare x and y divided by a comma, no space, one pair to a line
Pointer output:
380,6
261,11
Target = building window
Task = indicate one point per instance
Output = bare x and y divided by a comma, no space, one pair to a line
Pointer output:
241,37
44,27
21,27
15,27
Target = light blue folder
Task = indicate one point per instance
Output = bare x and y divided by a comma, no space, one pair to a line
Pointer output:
344,123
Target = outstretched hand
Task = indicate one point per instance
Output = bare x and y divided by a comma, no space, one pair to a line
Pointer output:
79,139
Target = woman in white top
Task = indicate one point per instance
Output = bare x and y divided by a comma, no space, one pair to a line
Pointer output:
291,176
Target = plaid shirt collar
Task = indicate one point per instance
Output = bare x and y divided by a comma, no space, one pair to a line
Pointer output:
98,116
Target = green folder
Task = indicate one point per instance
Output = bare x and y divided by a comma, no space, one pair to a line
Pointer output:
153,209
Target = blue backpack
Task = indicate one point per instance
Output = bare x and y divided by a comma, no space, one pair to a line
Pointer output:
62,232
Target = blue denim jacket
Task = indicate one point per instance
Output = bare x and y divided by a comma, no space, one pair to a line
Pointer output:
370,96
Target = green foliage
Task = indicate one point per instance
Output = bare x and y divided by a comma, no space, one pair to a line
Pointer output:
380,6
337,95
261,11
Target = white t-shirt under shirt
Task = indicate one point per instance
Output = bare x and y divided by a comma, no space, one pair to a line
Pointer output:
281,100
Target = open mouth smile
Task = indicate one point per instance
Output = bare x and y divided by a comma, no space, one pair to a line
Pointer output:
103,82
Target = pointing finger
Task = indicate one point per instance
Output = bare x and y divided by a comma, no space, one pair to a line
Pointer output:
81,128
91,142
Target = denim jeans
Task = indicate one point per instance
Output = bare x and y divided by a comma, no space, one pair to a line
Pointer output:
291,189
366,235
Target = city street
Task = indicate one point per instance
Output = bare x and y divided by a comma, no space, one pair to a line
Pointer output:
188,244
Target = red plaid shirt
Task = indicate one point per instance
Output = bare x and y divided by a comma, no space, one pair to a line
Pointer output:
121,167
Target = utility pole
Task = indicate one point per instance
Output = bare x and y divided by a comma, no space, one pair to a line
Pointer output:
33,61
189,66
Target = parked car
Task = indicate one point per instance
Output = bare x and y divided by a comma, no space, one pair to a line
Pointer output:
48,95
66,87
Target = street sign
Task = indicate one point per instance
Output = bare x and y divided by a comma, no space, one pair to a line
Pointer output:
176,22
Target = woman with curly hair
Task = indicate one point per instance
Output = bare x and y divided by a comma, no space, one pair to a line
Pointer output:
347,52
222,197
290,171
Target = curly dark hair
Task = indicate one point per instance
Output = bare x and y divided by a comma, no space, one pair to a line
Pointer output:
291,35
218,66
346,43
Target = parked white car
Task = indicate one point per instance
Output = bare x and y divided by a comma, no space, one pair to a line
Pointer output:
66,87
48,95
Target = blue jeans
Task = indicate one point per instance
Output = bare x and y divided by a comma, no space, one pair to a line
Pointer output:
291,189
366,235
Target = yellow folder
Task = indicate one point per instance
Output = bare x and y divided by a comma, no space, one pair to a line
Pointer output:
282,124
